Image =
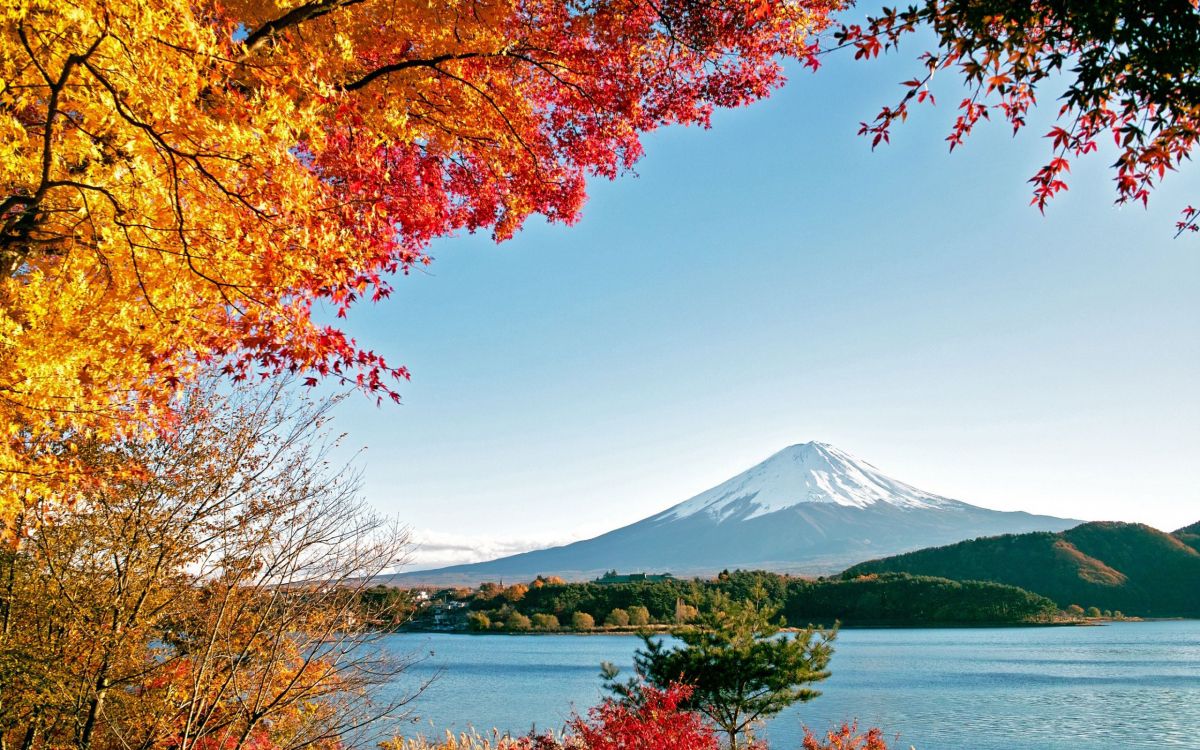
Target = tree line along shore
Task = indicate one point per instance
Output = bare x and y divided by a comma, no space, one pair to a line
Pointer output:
550,604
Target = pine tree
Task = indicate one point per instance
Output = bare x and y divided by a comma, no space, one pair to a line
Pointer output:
741,670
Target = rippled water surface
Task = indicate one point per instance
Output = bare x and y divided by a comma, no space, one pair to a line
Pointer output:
1124,685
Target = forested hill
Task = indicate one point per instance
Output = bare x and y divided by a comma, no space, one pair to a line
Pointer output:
891,599
1190,535
1119,566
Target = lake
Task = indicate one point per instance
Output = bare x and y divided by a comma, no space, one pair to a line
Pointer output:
1122,685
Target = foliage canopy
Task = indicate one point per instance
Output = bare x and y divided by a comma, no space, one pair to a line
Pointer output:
199,183
1131,71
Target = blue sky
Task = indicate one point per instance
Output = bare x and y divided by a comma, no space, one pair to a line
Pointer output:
772,281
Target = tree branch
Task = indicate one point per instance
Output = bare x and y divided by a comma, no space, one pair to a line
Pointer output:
431,62
256,39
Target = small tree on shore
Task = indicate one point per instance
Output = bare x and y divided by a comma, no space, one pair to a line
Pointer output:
517,621
740,667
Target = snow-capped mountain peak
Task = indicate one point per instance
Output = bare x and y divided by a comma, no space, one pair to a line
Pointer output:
805,473
807,509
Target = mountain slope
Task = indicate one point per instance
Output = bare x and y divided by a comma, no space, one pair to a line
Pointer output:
1189,535
1120,566
809,508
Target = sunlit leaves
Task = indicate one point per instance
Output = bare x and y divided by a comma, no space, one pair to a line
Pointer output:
194,185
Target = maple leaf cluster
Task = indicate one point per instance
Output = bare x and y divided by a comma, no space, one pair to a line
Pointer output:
195,185
656,721
1130,70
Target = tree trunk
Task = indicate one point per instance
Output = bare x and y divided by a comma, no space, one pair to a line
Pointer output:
32,731
89,726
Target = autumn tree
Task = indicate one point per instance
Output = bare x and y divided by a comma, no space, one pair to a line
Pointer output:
739,666
1130,72
517,621
191,184
490,590
639,615
515,593
684,613
214,599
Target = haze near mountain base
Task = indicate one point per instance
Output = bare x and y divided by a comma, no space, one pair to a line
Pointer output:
810,508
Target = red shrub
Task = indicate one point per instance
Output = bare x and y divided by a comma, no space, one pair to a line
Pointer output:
845,738
656,724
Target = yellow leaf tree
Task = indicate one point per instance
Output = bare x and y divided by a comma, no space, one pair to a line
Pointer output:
217,601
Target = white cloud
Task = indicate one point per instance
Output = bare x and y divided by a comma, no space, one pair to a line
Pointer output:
435,549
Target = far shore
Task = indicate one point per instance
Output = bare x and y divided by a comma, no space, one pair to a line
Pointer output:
667,629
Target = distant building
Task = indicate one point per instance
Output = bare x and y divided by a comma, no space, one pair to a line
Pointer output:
613,577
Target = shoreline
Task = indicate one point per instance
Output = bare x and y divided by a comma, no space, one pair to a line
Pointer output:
666,630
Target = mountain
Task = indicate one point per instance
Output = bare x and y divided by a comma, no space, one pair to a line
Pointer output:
810,508
1119,566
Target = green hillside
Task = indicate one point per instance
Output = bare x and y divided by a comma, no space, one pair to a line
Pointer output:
1189,535
899,599
1116,566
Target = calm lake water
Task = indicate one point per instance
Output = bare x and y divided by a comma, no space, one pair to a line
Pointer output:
1119,686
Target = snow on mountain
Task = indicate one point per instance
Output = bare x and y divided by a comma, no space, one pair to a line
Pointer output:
804,473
